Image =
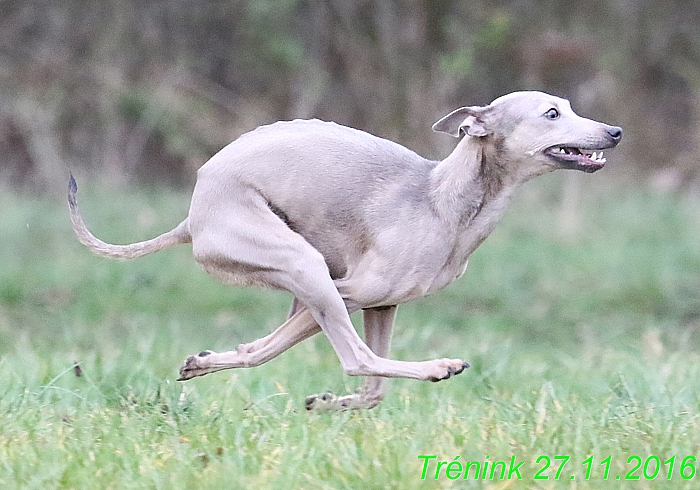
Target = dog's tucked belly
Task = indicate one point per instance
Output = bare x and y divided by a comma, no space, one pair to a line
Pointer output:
370,288
394,271
372,260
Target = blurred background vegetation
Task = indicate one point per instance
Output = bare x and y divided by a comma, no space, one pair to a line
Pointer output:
580,315
148,90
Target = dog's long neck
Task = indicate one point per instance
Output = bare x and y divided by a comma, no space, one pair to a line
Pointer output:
470,192
465,183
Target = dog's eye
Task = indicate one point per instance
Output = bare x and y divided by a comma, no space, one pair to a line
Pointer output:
552,114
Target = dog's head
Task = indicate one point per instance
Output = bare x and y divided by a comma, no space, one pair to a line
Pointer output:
537,132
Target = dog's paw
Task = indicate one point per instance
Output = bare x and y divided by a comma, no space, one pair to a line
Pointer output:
323,402
195,366
328,402
448,368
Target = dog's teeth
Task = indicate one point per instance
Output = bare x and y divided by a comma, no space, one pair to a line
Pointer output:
561,150
603,160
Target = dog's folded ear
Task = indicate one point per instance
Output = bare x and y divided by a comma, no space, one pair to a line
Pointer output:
468,120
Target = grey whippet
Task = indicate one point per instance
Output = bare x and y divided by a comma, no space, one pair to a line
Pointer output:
345,221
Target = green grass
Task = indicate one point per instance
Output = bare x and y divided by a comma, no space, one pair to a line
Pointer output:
582,343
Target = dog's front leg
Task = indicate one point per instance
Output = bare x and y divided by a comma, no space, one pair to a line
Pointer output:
378,324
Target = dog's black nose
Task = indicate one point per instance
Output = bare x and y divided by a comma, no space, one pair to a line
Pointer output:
615,133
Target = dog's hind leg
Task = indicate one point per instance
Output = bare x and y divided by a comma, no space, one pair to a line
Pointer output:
378,324
298,327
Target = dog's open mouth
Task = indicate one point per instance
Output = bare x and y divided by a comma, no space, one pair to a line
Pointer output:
577,158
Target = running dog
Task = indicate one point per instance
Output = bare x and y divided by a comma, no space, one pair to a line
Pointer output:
347,221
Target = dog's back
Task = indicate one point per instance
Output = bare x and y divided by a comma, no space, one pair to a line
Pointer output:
334,185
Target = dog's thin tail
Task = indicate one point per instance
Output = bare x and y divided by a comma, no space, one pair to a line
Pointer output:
181,234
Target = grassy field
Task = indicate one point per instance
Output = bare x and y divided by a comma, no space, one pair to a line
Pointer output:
584,341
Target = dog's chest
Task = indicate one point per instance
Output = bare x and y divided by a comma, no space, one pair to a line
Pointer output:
468,238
